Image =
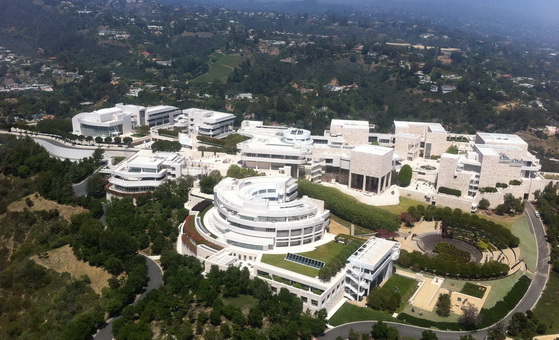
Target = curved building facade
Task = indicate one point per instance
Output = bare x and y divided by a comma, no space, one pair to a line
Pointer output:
264,213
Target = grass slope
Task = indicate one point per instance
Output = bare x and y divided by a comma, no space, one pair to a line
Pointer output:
350,313
547,309
220,69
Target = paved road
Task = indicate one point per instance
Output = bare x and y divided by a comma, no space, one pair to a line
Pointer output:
528,301
155,275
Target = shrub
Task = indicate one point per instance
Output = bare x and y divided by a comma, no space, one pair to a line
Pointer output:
348,208
501,185
488,189
483,204
450,191
404,176
446,265
515,182
467,224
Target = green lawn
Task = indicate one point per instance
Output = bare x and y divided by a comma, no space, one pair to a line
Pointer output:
406,285
528,247
403,206
547,309
322,253
220,69
244,302
350,313
278,260
473,290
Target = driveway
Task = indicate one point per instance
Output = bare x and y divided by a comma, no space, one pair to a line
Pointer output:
155,274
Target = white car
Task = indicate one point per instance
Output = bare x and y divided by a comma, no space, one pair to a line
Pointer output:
537,214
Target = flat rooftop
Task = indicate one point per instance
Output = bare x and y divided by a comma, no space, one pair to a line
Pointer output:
500,138
433,127
373,149
372,252
351,124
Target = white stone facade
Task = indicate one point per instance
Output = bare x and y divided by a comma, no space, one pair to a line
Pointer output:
264,213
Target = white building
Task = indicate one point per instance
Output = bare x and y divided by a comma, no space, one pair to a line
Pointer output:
340,155
494,158
275,147
121,119
103,123
369,266
264,213
207,123
143,172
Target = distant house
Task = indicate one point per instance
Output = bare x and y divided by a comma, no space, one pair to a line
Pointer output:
448,88
434,88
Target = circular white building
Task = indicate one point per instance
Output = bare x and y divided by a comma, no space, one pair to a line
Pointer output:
264,213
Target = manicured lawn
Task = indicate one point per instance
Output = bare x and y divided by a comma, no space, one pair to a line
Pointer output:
407,286
244,302
220,69
473,290
427,315
278,260
403,206
325,252
505,221
528,248
547,309
350,313
322,253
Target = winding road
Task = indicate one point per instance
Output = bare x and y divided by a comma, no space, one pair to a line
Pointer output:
155,274
528,302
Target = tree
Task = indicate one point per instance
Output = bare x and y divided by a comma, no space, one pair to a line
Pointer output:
404,176
166,146
483,204
470,316
108,139
117,140
428,335
452,149
127,140
98,140
381,331
207,182
142,130
443,305
95,186
254,318
497,332
467,337
88,139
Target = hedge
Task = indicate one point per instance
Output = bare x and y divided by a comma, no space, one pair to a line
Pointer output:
348,208
469,224
453,326
450,191
449,266
490,316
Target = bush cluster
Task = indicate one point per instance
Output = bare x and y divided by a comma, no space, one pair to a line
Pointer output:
333,266
450,191
447,266
467,225
348,208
